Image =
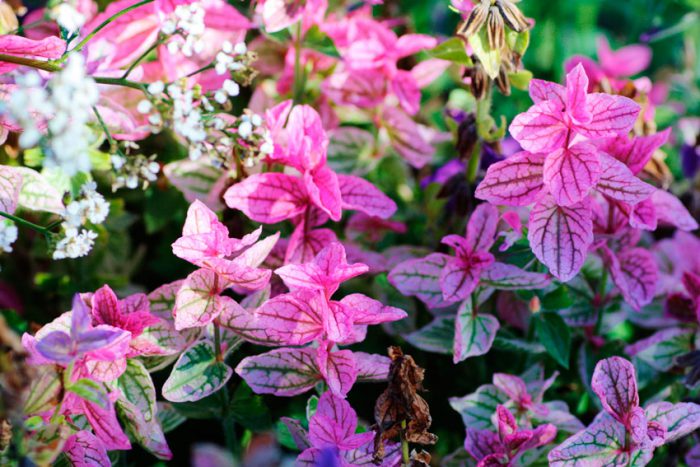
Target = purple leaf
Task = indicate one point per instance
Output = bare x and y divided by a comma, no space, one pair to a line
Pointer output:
615,383
515,181
283,372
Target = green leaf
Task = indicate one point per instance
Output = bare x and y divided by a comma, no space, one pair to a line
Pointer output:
317,40
520,79
311,406
137,387
555,335
203,409
518,41
44,391
477,408
148,433
557,299
196,374
90,391
249,409
437,336
490,58
452,50
474,333
169,417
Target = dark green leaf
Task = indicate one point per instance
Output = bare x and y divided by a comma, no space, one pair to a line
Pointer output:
554,335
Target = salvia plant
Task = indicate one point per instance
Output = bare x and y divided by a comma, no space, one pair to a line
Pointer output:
301,232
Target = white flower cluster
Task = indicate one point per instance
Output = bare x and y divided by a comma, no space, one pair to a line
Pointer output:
251,129
188,22
8,235
132,169
56,116
78,241
227,58
67,16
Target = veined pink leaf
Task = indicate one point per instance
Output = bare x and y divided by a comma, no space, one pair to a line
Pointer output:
482,227
305,244
477,409
601,443
576,91
268,197
406,138
508,277
669,210
642,215
611,116
635,152
678,419
615,383
365,310
198,302
323,188
481,444
624,62
236,274
513,386
421,277
570,173
541,129
458,279
106,427
196,374
360,195
474,334
560,236
634,272
338,369
333,423
162,299
51,47
10,185
371,367
618,182
515,181
84,449
541,90
283,372
290,319
201,220
256,254
197,180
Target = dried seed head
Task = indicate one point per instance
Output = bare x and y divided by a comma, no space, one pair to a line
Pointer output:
512,16
503,82
477,18
480,81
467,137
496,29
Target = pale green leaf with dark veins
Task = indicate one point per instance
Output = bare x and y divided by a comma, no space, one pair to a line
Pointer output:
196,374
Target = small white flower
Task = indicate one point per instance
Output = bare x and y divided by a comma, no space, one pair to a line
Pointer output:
144,106
231,87
220,97
240,48
245,129
8,235
156,87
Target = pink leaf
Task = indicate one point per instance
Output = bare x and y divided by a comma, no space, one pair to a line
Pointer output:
541,128
669,210
268,197
541,90
618,182
678,419
198,302
615,383
305,244
421,278
360,195
482,226
612,116
106,427
634,272
570,173
576,91
323,188
406,138
365,310
10,184
406,89
635,152
458,280
85,450
508,277
623,62
283,372
50,47
560,236
515,181
482,443
338,369
371,367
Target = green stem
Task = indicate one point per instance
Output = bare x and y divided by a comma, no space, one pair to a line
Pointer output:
405,453
30,62
600,296
298,86
473,167
25,223
106,22
119,82
200,70
142,57
111,140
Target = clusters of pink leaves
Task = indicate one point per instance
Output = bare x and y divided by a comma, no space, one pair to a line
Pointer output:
576,149
93,341
309,192
624,433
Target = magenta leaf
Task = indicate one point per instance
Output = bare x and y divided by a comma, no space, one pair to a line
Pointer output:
338,369
570,173
84,449
669,210
474,334
560,236
576,91
360,195
508,277
458,279
421,278
541,90
615,383
268,197
611,116
541,129
637,151
515,181
283,372
618,182
371,367
365,310
634,272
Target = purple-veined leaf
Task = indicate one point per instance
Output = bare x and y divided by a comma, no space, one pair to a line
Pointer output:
615,383
365,310
541,129
371,367
482,227
458,279
268,197
283,372
298,433
198,302
421,278
678,419
196,374
478,408
10,185
338,369
360,195
197,180
670,210
474,333
161,338
635,273
611,116
661,348
305,244
570,173
618,182
437,336
508,277
600,444
560,236
83,449
515,181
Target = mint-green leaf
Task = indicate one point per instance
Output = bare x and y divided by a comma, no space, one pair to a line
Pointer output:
196,374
